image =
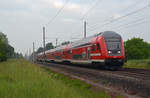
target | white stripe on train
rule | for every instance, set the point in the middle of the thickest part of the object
(95, 54)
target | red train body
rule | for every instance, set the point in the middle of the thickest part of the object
(105, 48)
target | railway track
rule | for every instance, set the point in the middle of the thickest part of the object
(134, 70)
(130, 80)
(145, 75)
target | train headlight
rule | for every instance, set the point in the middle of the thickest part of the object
(109, 52)
(119, 52)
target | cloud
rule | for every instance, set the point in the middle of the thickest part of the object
(68, 7)
(58, 4)
(74, 6)
(115, 16)
(20, 1)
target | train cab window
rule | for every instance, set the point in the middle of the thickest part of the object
(98, 46)
(93, 48)
(68, 51)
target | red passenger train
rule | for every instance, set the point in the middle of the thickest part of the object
(105, 48)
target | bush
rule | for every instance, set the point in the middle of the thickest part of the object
(6, 50)
(136, 48)
(149, 63)
(3, 57)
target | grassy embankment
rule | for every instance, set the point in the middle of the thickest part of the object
(22, 79)
(144, 64)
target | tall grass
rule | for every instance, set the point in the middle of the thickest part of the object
(144, 64)
(22, 79)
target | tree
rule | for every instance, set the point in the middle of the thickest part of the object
(136, 48)
(10, 51)
(65, 43)
(4, 38)
(3, 47)
(6, 50)
(18, 55)
(40, 49)
(49, 46)
(3, 54)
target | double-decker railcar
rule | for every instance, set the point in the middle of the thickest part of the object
(105, 48)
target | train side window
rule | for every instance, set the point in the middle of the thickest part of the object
(98, 46)
(93, 48)
(63, 52)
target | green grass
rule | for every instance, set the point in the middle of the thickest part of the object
(22, 79)
(142, 64)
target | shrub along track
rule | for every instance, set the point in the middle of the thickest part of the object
(129, 82)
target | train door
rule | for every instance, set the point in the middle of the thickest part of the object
(88, 53)
(71, 56)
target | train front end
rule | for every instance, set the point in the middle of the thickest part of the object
(114, 49)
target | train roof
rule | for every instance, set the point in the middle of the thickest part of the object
(57, 48)
(111, 34)
(85, 41)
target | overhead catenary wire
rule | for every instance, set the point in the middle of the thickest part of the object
(131, 13)
(107, 20)
(124, 16)
(54, 17)
(58, 12)
(90, 9)
(132, 6)
(132, 22)
(136, 24)
(85, 13)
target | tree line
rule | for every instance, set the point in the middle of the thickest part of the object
(135, 48)
(6, 50)
(50, 46)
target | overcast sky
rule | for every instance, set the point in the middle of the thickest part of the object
(22, 20)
